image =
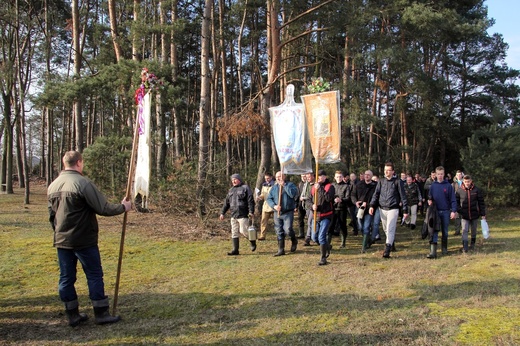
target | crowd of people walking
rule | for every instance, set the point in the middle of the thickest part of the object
(326, 208)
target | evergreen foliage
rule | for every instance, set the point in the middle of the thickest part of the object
(416, 78)
(492, 159)
(106, 161)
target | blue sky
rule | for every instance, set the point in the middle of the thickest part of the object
(506, 15)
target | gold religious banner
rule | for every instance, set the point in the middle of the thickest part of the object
(323, 125)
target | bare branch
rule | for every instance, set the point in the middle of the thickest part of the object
(303, 14)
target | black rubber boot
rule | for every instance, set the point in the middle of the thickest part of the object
(472, 245)
(388, 248)
(433, 251)
(343, 239)
(444, 245)
(301, 234)
(329, 244)
(365, 245)
(236, 244)
(72, 311)
(294, 243)
(253, 245)
(307, 242)
(393, 247)
(101, 312)
(323, 250)
(281, 248)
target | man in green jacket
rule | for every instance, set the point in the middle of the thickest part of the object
(74, 201)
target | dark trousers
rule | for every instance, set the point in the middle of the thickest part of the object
(339, 219)
(90, 260)
(353, 218)
(301, 219)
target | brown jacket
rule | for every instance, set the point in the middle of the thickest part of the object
(74, 201)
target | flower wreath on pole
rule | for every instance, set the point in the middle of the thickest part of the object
(318, 85)
(149, 82)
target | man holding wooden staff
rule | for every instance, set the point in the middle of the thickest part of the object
(74, 201)
(282, 198)
(323, 196)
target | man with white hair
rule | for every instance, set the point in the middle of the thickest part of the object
(282, 199)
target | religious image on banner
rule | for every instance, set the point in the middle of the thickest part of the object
(290, 135)
(322, 112)
(142, 168)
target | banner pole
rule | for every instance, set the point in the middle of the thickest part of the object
(315, 194)
(128, 197)
(280, 192)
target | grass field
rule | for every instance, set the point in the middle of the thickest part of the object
(175, 291)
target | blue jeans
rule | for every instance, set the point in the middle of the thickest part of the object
(376, 221)
(322, 228)
(283, 225)
(90, 260)
(366, 223)
(444, 215)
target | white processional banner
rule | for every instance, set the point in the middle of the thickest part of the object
(142, 168)
(290, 135)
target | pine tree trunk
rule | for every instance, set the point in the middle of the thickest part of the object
(204, 109)
(77, 70)
(174, 62)
(113, 29)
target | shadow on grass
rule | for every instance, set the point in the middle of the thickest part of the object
(273, 318)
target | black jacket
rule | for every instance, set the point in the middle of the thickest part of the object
(432, 222)
(388, 195)
(470, 202)
(342, 190)
(325, 199)
(363, 192)
(240, 201)
(413, 193)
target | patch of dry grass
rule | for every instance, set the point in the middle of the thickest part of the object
(179, 290)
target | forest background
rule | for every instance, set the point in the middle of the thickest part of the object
(422, 84)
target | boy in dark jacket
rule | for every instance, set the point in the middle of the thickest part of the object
(414, 197)
(443, 195)
(471, 206)
(341, 201)
(361, 196)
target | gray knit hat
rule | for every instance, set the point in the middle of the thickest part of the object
(236, 176)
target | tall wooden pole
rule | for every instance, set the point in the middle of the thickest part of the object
(315, 194)
(128, 197)
(280, 191)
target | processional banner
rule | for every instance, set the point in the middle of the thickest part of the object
(324, 125)
(142, 168)
(290, 135)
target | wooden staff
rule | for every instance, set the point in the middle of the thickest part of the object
(280, 188)
(128, 197)
(315, 195)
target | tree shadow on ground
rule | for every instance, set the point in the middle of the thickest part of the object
(295, 319)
